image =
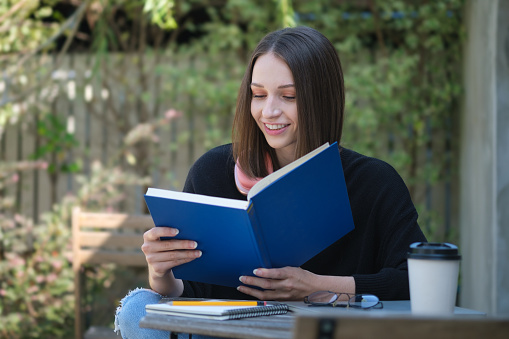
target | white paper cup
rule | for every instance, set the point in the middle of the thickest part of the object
(433, 276)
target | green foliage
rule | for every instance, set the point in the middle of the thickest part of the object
(22, 28)
(37, 277)
(161, 12)
(286, 14)
(401, 62)
(36, 284)
(56, 143)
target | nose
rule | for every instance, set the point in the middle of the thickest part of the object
(270, 109)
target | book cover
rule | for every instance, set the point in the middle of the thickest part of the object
(289, 217)
(217, 312)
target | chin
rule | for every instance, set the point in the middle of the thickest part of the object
(279, 144)
(275, 144)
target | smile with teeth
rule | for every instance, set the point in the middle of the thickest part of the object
(276, 127)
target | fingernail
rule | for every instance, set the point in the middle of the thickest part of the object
(198, 254)
(241, 277)
(255, 271)
(195, 244)
(175, 231)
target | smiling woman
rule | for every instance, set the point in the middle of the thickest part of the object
(291, 101)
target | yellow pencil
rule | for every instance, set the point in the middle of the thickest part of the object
(217, 303)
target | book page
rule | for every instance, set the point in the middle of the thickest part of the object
(259, 186)
(198, 198)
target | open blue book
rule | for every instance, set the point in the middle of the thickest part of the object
(289, 217)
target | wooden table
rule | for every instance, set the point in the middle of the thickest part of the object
(278, 326)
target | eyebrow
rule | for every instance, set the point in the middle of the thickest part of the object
(282, 86)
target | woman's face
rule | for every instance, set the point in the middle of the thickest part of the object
(274, 105)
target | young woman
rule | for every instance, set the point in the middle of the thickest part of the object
(290, 102)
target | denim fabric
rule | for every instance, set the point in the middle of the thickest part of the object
(132, 309)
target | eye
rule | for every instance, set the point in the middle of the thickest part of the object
(258, 96)
(288, 97)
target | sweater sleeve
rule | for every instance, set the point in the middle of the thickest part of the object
(390, 226)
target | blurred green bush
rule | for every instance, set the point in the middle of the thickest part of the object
(401, 60)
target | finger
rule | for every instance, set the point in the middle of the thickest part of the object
(171, 245)
(267, 284)
(273, 273)
(167, 245)
(172, 258)
(156, 233)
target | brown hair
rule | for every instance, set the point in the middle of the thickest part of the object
(320, 97)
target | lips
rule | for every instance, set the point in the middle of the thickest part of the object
(275, 127)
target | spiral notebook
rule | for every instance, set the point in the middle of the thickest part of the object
(217, 312)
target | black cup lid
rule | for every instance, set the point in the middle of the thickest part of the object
(433, 251)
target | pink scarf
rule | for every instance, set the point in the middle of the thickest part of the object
(244, 182)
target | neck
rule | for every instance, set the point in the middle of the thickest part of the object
(285, 157)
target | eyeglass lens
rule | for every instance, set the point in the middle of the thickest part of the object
(323, 297)
(363, 300)
(357, 300)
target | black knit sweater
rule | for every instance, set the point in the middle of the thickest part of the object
(374, 253)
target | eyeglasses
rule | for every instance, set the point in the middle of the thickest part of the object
(327, 298)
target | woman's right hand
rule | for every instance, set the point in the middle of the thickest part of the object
(163, 255)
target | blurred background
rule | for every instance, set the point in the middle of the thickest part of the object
(100, 99)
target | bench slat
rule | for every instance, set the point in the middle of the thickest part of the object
(111, 241)
(104, 257)
(115, 220)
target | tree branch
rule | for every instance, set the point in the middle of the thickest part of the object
(73, 22)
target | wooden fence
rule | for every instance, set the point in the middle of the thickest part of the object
(92, 106)
(85, 104)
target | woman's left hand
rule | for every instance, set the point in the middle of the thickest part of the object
(287, 283)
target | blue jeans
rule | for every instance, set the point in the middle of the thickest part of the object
(132, 309)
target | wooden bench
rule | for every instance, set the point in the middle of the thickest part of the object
(102, 238)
